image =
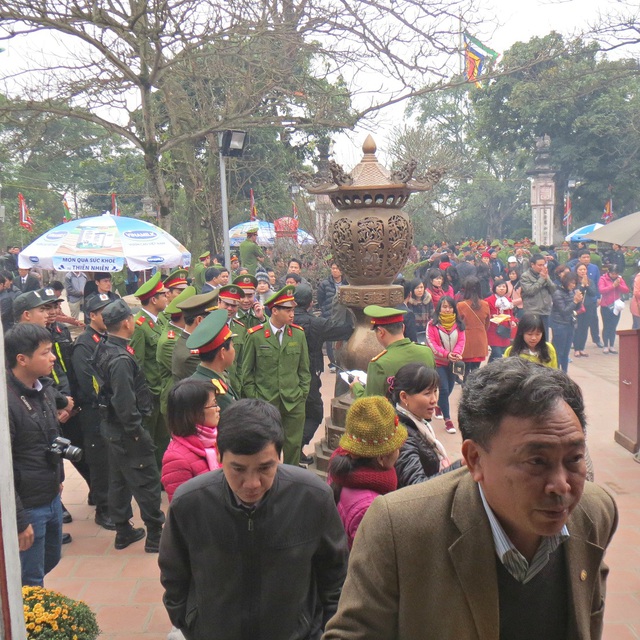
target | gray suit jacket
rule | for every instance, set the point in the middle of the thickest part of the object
(423, 566)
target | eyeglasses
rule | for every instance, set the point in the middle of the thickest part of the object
(211, 406)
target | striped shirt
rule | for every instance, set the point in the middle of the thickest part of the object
(514, 562)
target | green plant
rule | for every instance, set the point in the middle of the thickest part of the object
(48, 614)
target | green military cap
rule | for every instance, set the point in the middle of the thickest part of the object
(211, 332)
(247, 283)
(282, 298)
(510, 242)
(173, 308)
(383, 315)
(150, 288)
(204, 256)
(230, 293)
(202, 303)
(252, 231)
(593, 246)
(495, 243)
(177, 278)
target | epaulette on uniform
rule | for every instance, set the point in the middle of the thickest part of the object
(378, 356)
(242, 324)
(297, 326)
(141, 320)
(254, 329)
(220, 387)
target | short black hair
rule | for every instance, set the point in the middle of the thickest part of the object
(296, 261)
(24, 338)
(56, 285)
(211, 273)
(294, 276)
(513, 387)
(413, 378)
(8, 275)
(185, 405)
(537, 256)
(210, 356)
(248, 426)
(584, 252)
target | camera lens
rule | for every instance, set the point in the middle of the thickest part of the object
(73, 453)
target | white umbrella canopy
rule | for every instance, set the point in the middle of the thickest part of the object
(583, 233)
(624, 231)
(104, 243)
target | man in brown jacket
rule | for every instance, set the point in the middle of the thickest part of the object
(511, 547)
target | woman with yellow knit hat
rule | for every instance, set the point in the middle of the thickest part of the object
(362, 467)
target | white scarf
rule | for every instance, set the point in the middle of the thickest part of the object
(428, 435)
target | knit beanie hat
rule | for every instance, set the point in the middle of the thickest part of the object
(372, 428)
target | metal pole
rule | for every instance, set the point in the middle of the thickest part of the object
(225, 211)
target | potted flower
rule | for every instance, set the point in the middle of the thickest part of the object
(48, 614)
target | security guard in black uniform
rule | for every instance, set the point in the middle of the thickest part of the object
(125, 400)
(86, 398)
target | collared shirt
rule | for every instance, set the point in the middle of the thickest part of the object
(514, 562)
(154, 318)
(277, 332)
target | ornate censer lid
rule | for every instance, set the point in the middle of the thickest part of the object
(369, 184)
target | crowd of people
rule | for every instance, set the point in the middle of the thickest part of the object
(219, 371)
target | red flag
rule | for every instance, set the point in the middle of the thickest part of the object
(254, 210)
(567, 218)
(25, 218)
(66, 212)
(607, 214)
(115, 209)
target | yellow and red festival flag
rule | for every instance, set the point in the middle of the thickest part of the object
(254, 210)
(607, 214)
(475, 55)
(25, 218)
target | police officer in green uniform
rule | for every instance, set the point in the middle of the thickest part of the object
(124, 400)
(275, 368)
(251, 312)
(167, 342)
(250, 253)
(204, 260)
(194, 309)
(213, 341)
(86, 400)
(388, 325)
(229, 298)
(175, 283)
(153, 298)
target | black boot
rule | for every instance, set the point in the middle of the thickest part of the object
(152, 543)
(66, 516)
(127, 535)
(103, 520)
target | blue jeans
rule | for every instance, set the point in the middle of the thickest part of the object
(447, 382)
(562, 338)
(496, 353)
(609, 324)
(44, 554)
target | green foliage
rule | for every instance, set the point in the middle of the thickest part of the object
(587, 104)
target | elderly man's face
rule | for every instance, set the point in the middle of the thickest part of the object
(532, 474)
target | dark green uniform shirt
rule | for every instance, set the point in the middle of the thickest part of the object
(388, 363)
(249, 254)
(144, 342)
(164, 353)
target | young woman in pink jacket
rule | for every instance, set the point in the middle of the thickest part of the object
(192, 417)
(445, 336)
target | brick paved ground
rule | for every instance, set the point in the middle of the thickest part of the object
(123, 586)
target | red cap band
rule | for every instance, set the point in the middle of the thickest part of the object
(224, 335)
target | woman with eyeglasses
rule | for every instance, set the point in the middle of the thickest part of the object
(192, 417)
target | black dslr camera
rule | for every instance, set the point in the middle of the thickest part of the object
(62, 448)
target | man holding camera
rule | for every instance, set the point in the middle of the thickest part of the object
(36, 450)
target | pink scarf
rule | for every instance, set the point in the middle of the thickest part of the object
(209, 438)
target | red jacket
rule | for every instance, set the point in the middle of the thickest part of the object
(184, 459)
(493, 338)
